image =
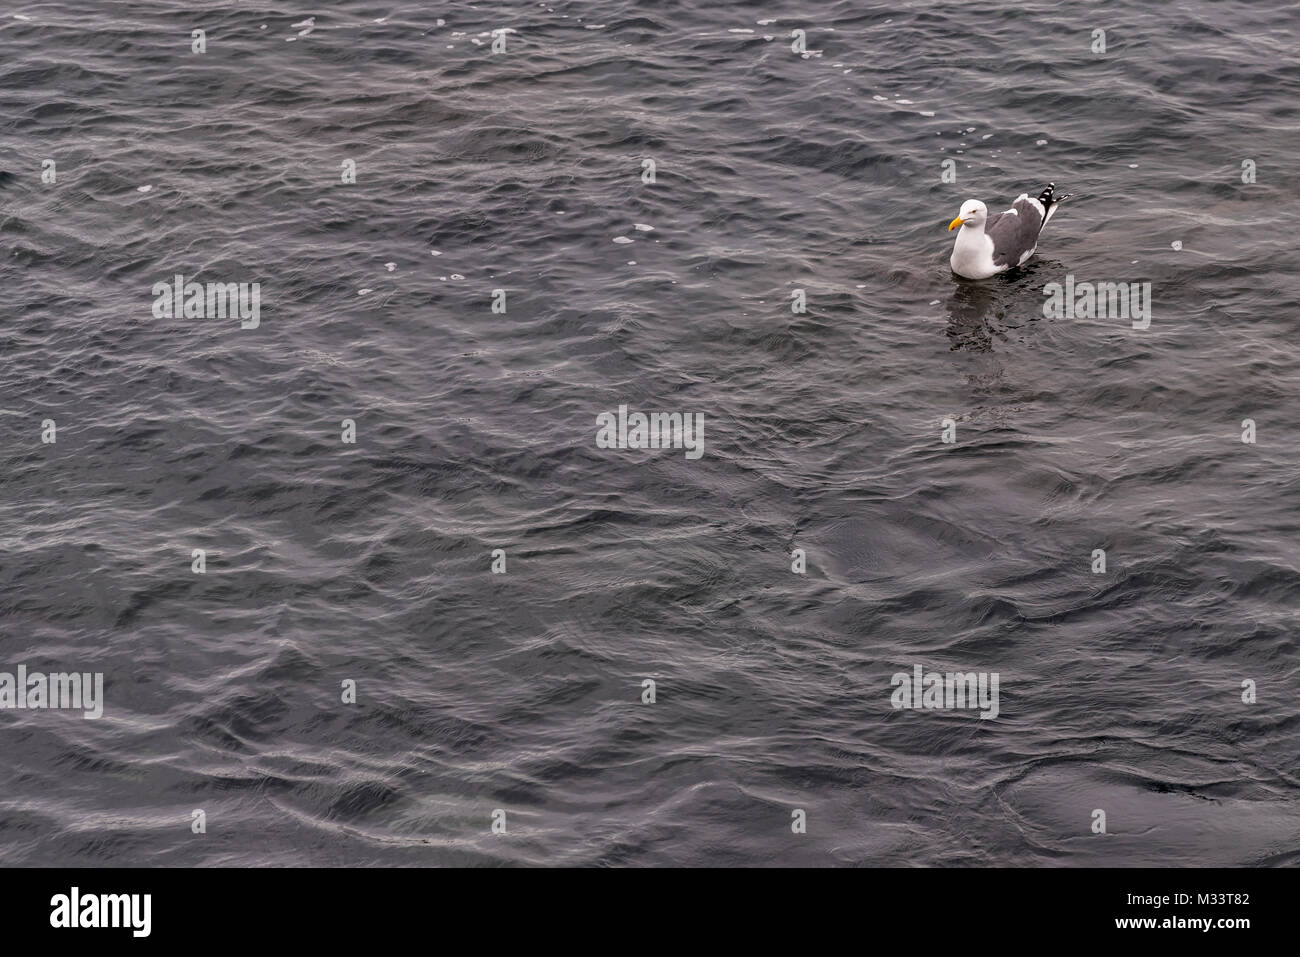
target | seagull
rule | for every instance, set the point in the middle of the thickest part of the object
(988, 245)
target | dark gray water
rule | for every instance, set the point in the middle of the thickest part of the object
(328, 561)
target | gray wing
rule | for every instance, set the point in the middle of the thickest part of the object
(1015, 232)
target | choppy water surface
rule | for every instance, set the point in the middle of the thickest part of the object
(476, 431)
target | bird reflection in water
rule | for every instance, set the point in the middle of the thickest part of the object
(977, 309)
(971, 308)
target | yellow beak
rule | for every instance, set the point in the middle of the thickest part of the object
(955, 223)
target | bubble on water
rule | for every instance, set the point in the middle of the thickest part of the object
(1177, 244)
(390, 266)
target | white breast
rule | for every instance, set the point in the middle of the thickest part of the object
(972, 254)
